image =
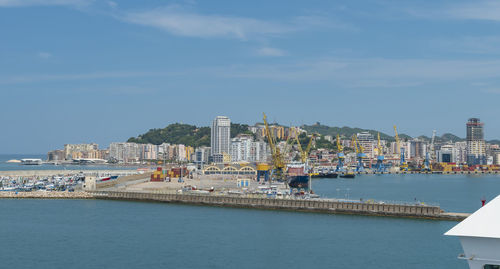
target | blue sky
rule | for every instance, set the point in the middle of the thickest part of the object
(75, 71)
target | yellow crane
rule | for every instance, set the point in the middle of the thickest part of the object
(354, 143)
(340, 155)
(359, 153)
(288, 145)
(380, 151)
(304, 154)
(277, 159)
(401, 152)
(380, 166)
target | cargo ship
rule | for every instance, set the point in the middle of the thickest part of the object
(298, 176)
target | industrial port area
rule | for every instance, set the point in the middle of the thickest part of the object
(268, 162)
(247, 134)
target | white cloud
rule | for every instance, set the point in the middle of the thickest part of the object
(44, 55)
(24, 3)
(179, 22)
(112, 4)
(267, 51)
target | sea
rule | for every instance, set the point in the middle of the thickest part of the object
(48, 234)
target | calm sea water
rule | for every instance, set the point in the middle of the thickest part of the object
(15, 166)
(116, 234)
(119, 234)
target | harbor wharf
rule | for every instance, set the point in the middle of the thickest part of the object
(331, 206)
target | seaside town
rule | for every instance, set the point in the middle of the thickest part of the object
(249, 134)
(362, 151)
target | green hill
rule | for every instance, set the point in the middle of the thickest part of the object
(347, 132)
(186, 134)
(176, 133)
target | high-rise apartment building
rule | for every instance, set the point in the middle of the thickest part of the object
(366, 140)
(476, 146)
(244, 148)
(220, 135)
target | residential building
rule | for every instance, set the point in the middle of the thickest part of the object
(476, 146)
(202, 155)
(220, 135)
(366, 140)
(76, 151)
(243, 148)
(125, 152)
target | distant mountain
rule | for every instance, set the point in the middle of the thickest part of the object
(347, 132)
(494, 141)
(450, 137)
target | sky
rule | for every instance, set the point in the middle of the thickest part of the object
(81, 71)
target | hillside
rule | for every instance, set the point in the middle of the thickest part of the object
(347, 132)
(194, 136)
(176, 133)
(186, 134)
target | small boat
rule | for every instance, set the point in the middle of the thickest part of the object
(347, 175)
(328, 175)
(108, 178)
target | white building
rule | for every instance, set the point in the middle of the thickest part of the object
(149, 152)
(202, 155)
(479, 235)
(125, 152)
(243, 148)
(366, 140)
(220, 135)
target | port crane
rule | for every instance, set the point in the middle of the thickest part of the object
(278, 164)
(340, 155)
(288, 145)
(359, 153)
(304, 154)
(380, 156)
(403, 165)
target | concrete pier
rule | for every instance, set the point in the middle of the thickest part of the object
(290, 204)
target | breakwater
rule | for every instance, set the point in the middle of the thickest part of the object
(302, 205)
(46, 195)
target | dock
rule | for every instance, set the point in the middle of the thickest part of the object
(330, 206)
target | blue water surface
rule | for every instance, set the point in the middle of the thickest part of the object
(117, 234)
(120, 234)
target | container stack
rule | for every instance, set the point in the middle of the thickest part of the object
(158, 175)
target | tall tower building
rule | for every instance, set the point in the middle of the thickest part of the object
(476, 147)
(221, 135)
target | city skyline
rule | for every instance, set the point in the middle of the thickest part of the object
(258, 123)
(76, 71)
